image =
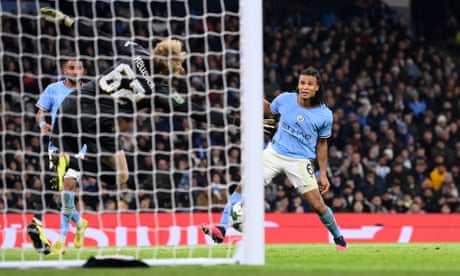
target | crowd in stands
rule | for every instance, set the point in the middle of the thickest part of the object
(395, 145)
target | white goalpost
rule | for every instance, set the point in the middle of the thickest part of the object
(181, 171)
(252, 89)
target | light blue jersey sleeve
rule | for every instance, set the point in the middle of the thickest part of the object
(45, 102)
(52, 98)
(299, 128)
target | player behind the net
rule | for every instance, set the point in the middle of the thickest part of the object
(48, 104)
(101, 108)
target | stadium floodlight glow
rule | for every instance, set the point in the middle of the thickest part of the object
(224, 71)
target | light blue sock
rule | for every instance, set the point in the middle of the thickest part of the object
(234, 199)
(75, 216)
(68, 206)
(329, 221)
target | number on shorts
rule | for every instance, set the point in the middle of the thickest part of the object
(310, 169)
(111, 83)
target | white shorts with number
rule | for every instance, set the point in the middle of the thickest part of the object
(71, 173)
(299, 171)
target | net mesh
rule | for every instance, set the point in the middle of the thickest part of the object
(181, 170)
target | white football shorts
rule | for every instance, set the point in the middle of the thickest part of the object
(300, 172)
(71, 173)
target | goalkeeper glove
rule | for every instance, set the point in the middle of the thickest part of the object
(55, 16)
(269, 126)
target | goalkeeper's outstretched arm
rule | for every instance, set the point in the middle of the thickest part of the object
(85, 29)
(133, 60)
(162, 49)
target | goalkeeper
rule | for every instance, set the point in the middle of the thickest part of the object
(305, 125)
(105, 105)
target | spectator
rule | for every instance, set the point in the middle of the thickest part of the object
(397, 174)
(417, 83)
(298, 205)
(437, 174)
(415, 208)
(372, 185)
(359, 197)
(417, 105)
(449, 193)
(377, 206)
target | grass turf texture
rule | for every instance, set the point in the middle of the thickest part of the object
(305, 259)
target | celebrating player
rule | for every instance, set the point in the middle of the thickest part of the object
(49, 103)
(304, 127)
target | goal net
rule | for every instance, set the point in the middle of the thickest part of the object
(181, 171)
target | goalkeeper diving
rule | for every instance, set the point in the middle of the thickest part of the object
(95, 114)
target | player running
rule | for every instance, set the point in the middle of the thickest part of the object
(304, 127)
(49, 103)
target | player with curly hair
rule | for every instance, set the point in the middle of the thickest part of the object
(305, 124)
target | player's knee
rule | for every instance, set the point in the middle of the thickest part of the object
(318, 207)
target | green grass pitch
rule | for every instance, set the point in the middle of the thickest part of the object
(298, 259)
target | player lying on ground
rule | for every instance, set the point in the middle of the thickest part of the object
(304, 127)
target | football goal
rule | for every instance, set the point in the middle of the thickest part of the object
(181, 170)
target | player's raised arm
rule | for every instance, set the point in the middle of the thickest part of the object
(85, 29)
(57, 17)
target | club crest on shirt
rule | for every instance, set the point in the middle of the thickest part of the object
(300, 118)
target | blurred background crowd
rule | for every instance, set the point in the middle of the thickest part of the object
(391, 80)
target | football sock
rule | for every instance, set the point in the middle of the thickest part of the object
(68, 206)
(329, 221)
(75, 214)
(76, 217)
(234, 198)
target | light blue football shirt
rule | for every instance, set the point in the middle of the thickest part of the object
(52, 98)
(299, 128)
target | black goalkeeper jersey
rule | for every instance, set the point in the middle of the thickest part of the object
(89, 115)
(125, 86)
(131, 84)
